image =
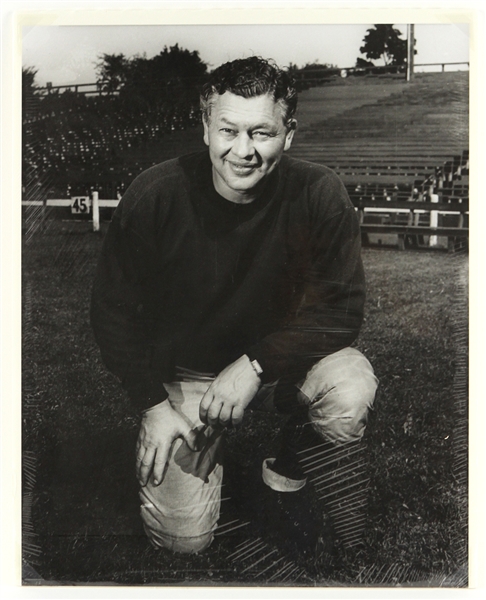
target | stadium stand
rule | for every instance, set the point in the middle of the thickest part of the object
(407, 146)
(93, 142)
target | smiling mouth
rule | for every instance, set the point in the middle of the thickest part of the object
(241, 169)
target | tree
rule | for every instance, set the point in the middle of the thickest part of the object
(112, 71)
(29, 100)
(173, 70)
(28, 78)
(317, 66)
(384, 41)
(361, 63)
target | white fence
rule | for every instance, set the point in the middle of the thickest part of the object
(80, 205)
(84, 205)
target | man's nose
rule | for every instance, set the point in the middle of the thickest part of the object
(243, 146)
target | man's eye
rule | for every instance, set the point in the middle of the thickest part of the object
(261, 134)
(227, 131)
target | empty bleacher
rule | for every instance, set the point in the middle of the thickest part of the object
(407, 146)
(391, 143)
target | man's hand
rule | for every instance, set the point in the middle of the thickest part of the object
(230, 393)
(161, 425)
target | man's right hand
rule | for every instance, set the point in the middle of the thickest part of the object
(161, 425)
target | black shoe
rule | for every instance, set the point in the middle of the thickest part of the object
(289, 519)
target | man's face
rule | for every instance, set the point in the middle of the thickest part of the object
(246, 139)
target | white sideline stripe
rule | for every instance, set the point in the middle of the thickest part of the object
(68, 202)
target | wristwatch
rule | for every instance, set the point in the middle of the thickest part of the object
(256, 367)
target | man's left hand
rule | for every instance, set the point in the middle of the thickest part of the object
(230, 393)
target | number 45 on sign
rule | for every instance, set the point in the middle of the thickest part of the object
(80, 205)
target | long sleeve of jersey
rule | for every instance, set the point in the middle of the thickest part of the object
(331, 310)
(122, 327)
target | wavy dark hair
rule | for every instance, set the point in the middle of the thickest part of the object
(250, 77)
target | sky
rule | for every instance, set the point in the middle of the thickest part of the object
(67, 54)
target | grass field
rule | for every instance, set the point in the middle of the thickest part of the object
(81, 520)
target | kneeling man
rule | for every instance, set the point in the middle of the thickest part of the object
(232, 279)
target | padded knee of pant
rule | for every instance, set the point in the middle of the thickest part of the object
(353, 395)
(170, 533)
(344, 418)
(340, 391)
(345, 377)
(340, 430)
(183, 545)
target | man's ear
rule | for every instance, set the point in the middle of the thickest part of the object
(291, 127)
(206, 130)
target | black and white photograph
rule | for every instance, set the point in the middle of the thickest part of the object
(244, 295)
